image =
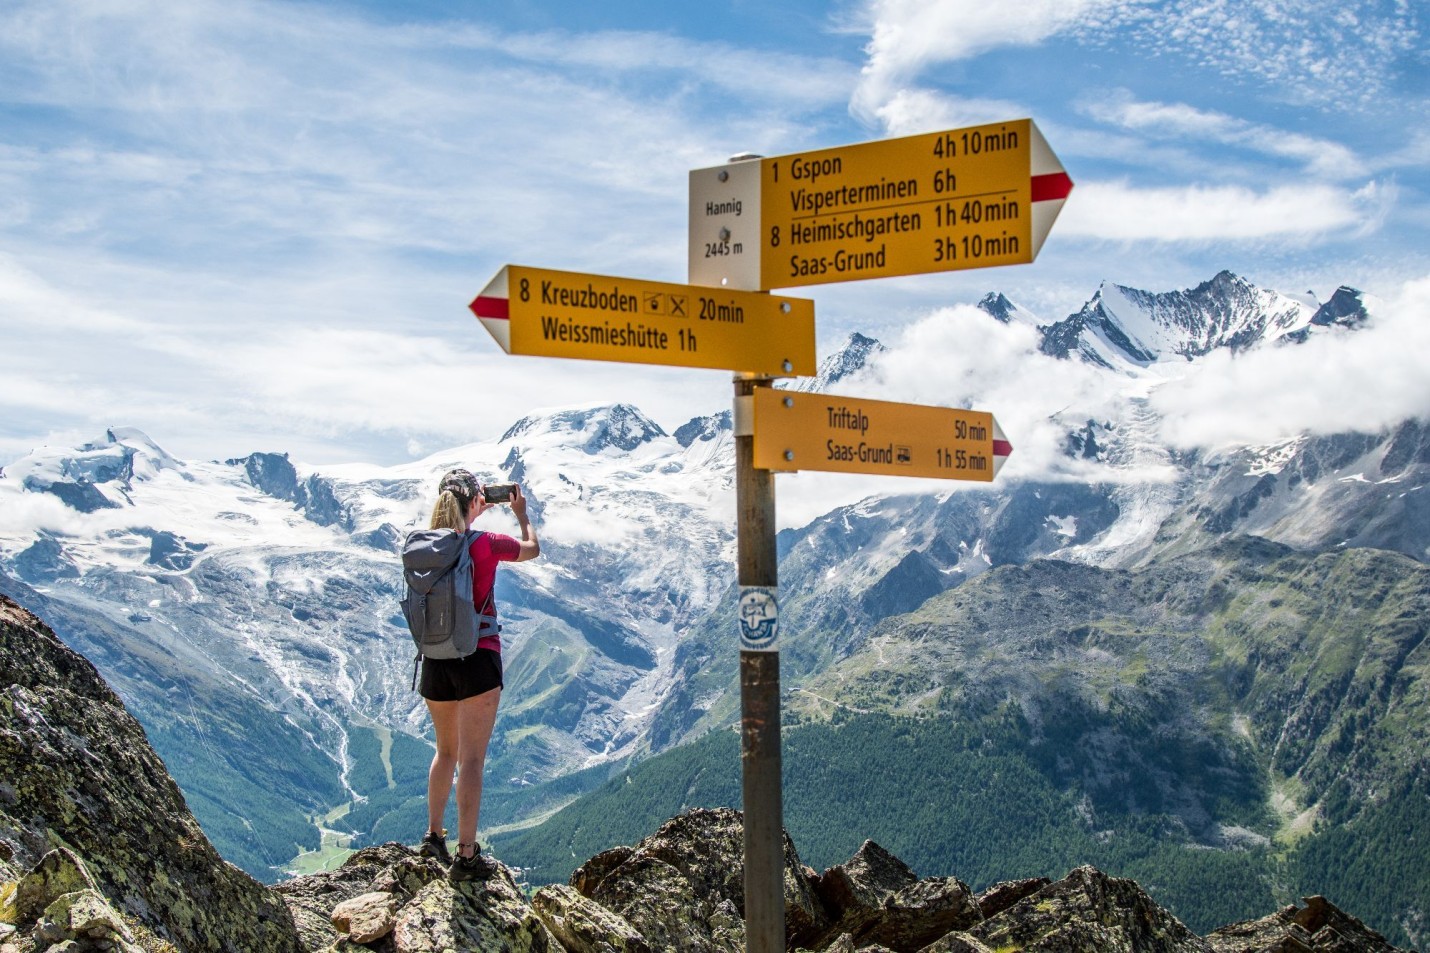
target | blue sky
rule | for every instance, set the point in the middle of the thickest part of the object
(253, 226)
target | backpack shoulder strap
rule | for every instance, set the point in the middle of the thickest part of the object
(489, 606)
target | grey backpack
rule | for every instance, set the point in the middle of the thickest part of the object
(438, 606)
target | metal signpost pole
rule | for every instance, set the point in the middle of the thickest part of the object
(759, 683)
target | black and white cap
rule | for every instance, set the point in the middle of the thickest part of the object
(462, 483)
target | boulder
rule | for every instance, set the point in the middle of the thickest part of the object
(85, 918)
(1088, 912)
(388, 868)
(877, 900)
(584, 926)
(368, 917)
(484, 915)
(1000, 897)
(683, 887)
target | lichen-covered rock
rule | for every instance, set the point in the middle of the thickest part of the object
(589, 875)
(72, 917)
(845, 944)
(388, 868)
(956, 942)
(584, 926)
(367, 917)
(490, 915)
(389, 898)
(921, 913)
(83, 916)
(862, 883)
(663, 905)
(76, 770)
(1000, 897)
(877, 900)
(1318, 926)
(683, 887)
(1088, 912)
(59, 872)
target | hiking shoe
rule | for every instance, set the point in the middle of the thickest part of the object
(475, 867)
(435, 845)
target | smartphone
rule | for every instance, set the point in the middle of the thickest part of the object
(498, 492)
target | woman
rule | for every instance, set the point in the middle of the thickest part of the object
(462, 694)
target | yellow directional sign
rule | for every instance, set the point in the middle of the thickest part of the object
(548, 313)
(965, 198)
(855, 435)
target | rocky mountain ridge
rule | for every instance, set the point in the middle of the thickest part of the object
(98, 852)
(1122, 327)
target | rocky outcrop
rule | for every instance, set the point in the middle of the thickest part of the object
(99, 853)
(875, 899)
(1088, 910)
(683, 887)
(1317, 926)
(87, 811)
(681, 890)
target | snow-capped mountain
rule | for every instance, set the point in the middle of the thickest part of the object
(856, 354)
(1123, 327)
(280, 584)
(267, 589)
(997, 304)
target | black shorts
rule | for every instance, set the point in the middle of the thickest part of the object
(451, 680)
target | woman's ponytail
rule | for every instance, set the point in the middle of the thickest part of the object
(449, 513)
(455, 494)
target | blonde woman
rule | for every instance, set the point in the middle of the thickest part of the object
(462, 694)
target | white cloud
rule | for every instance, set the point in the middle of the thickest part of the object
(908, 36)
(27, 514)
(962, 357)
(756, 73)
(258, 224)
(1339, 52)
(1315, 51)
(1117, 211)
(1363, 381)
(1321, 157)
(242, 123)
(912, 111)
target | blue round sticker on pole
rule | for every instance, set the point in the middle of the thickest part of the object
(759, 609)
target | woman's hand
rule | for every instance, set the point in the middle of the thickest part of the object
(478, 507)
(530, 545)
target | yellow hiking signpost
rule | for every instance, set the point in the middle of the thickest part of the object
(857, 435)
(945, 201)
(547, 313)
(965, 198)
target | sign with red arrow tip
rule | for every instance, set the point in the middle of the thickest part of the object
(856, 435)
(945, 201)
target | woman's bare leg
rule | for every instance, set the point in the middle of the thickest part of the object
(444, 762)
(475, 718)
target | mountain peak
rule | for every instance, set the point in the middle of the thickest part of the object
(856, 354)
(601, 425)
(1345, 309)
(1123, 326)
(95, 475)
(997, 305)
(709, 427)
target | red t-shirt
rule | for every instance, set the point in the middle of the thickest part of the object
(487, 550)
